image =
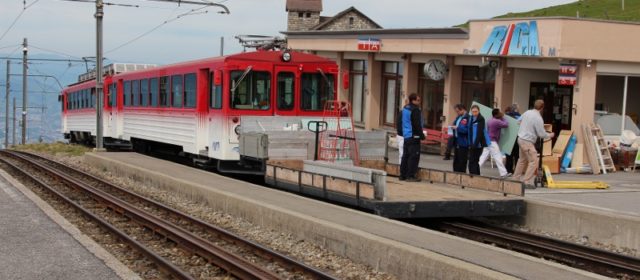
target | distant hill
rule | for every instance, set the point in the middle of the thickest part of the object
(595, 9)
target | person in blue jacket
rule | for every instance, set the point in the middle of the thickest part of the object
(478, 139)
(461, 142)
(412, 131)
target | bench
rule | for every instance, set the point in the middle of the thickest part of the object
(435, 137)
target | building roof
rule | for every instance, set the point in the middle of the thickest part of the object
(406, 33)
(304, 5)
(340, 15)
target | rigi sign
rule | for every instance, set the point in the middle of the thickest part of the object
(513, 39)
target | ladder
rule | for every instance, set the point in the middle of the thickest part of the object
(604, 156)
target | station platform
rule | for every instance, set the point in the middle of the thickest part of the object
(584, 213)
(622, 196)
(36, 244)
(403, 250)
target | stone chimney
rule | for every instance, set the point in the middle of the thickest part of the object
(303, 14)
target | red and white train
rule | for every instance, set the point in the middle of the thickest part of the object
(194, 108)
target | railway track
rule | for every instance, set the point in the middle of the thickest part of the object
(582, 257)
(196, 239)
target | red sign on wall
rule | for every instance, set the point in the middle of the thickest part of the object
(568, 75)
(369, 44)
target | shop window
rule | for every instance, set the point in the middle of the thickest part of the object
(251, 92)
(127, 93)
(317, 89)
(190, 86)
(144, 93)
(478, 85)
(153, 89)
(164, 91)
(357, 83)
(215, 93)
(391, 85)
(176, 91)
(286, 91)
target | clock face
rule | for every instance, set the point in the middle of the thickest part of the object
(435, 69)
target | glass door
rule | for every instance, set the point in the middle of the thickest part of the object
(432, 93)
(391, 97)
(286, 91)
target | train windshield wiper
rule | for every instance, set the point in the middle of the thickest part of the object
(326, 79)
(244, 75)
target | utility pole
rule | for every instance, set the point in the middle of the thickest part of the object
(222, 46)
(13, 141)
(99, 95)
(6, 101)
(24, 91)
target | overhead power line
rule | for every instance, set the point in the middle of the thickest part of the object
(17, 18)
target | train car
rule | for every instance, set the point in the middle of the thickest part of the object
(194, 108)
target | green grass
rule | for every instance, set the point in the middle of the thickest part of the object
(594, 9)
(57, 148)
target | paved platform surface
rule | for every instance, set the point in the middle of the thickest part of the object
(623, 195)
(32, 246)
(336, 220)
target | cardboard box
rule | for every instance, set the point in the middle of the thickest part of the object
(547, 148)
(553, 162)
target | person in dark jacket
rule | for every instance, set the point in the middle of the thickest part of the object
(460, 141)
(412, 131)
(451, 141)
(513, 157)
(478, 139)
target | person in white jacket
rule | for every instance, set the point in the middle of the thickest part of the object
(531, 128)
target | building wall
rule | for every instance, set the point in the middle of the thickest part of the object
(343, 23)
(522, 82)
(304, 23)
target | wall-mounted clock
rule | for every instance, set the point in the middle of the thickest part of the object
(435, 69)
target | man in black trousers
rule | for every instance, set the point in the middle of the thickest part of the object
(413, 134)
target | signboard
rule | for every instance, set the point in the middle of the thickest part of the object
(508, 135)
(514, 39)
(568, 74)
(369, 44)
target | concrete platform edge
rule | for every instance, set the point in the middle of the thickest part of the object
(399, 259)
(599, 225)
(96, 249)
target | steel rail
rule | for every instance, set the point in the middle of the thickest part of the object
(586, 258)
(233, 264)
(163, 264)
(221, 233)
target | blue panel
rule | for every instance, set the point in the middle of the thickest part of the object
(495, 41)
(520, 40)
(534, 47)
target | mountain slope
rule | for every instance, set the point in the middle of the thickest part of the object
(598, 9)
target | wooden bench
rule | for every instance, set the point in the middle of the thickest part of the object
(435, 137)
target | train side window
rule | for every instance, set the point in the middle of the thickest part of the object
(144, 93)
(153, 88)
(253, 92)
(135, 91)
(215, 93)
(317, 89)
(164, 91)
(112, 95)
(190, 86)
(286, 91)
(176, 91)
(84, 99)
(93, 97)
(127, 93)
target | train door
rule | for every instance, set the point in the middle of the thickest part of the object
(109, 107)
(286, 90)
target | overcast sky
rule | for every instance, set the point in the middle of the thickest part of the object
(69, 27)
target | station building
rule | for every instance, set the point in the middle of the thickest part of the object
(578, 66)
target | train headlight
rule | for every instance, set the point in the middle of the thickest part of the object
(286, 56)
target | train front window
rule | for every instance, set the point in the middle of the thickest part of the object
(317, 89)
(250, 90)
(286, 86)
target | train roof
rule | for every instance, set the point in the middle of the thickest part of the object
(258, 56)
